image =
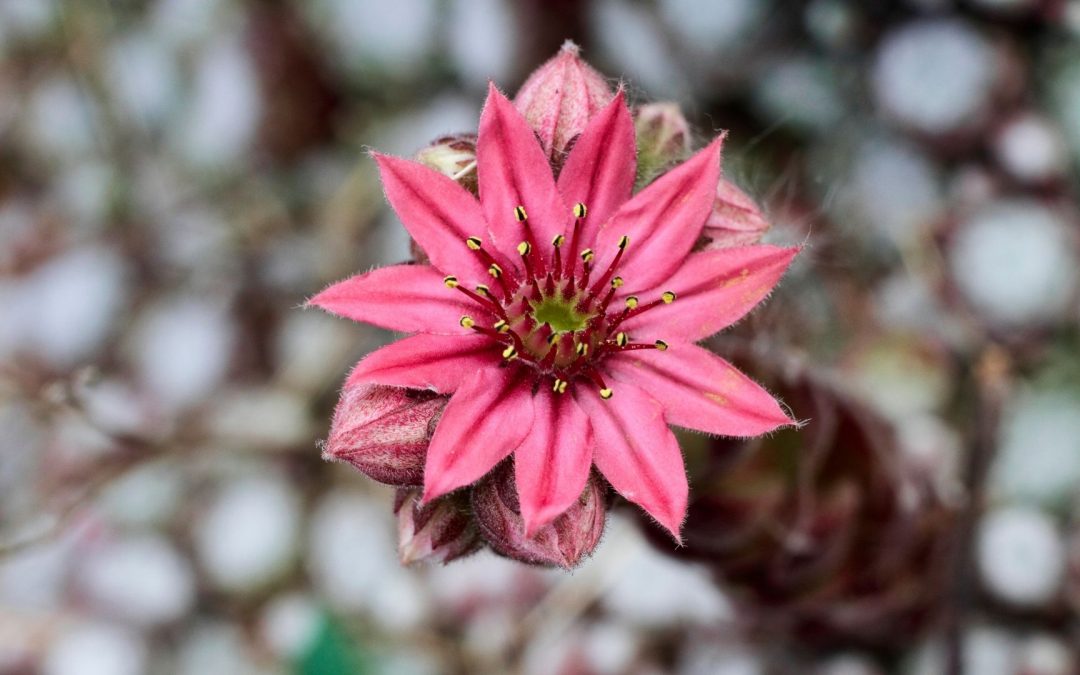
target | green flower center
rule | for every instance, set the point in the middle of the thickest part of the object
(558, 313)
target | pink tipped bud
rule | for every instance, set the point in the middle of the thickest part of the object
(384, 431)
(559, 98)
(564, 543)
(663, 139)
(453, 156)
(438, 532)
(735, 219)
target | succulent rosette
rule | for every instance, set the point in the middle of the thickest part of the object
(560, 312)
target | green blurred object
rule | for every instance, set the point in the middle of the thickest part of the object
(333, 652)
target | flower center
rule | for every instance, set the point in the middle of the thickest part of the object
(559, 313)
(556, 321)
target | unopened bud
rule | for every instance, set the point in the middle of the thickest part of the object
(564, 543)
(559, 98)
(440, 531)
(384, 431)
(663, 139)
(453, 156)
(735, 219)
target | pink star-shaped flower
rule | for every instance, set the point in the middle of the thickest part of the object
(561, 314)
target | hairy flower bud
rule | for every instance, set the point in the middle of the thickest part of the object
(735, 219)
(563, 543)
(833, 492)
(559, 98)
(440, 531)
(384, 431)
(454, 156)
(663, 139)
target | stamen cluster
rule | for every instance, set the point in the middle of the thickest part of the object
(556, 320)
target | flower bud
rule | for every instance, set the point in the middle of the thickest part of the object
(559, 98)
(563, 543)
(438, 532)
(663, 139)
(384, 431)
(454, 156)
(735, 219)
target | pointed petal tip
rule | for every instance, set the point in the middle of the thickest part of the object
(429, 495)
(716, 145)
(318, 300)
(536, 521)
(673, 526)
(494, 91)
(433, 489)
(379, 157)
(776, 423)
(386, 161)
(792, 252)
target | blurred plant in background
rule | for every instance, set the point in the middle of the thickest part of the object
(177, 177)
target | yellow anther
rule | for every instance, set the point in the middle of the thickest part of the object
(501, 326)
(581, 349)
(631, 302)
(606, 393)
(617, 282)
(467, 322)
(524, 248)
(668, 297)
(587, 255)
(451, 281)
(621, 339)
(560, 386)
(661, 345)
(474, 243)
(553, 337)
(519, 213)
(558, 240)
(509, 353)
(495, 270)
(483, 290)
(580, 210)
(623, 241)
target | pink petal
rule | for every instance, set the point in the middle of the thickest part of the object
(714, 289)
(552, 464)
(436, 362)
(486, 419)
(663, 221)
(406, 298)
(600, 169)
(699, 390)
(438, 213)
(514, 171)
(637, 453)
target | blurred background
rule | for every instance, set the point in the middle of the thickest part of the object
(177, 176)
